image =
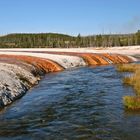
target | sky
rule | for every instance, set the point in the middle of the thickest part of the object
(72, 17)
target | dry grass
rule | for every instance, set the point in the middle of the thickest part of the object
(131, 102)
(128, 67)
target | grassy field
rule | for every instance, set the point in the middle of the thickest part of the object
(131, 102)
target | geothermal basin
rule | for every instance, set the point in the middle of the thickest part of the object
(84, 101)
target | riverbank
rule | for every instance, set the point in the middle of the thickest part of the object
(19, 73)
(21, 69)
(131, 102)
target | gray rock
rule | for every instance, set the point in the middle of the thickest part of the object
(14, 82)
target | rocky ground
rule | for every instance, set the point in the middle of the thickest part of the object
(20, 73)
(21, 69)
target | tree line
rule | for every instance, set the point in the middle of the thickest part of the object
(51, 40)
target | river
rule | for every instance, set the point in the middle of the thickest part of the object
(79, 104)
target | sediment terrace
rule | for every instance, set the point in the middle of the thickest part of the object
(22, 69)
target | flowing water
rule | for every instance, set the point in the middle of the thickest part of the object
(78, 104)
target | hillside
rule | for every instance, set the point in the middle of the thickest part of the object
(52, 40)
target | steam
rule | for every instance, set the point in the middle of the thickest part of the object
(132, 25)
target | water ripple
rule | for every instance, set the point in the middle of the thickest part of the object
(79, 104)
